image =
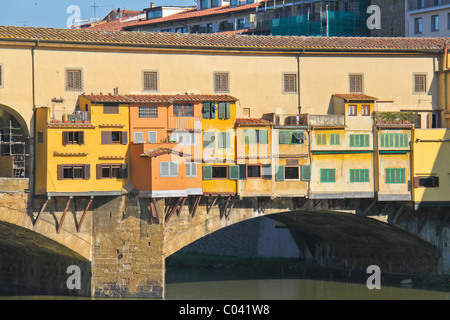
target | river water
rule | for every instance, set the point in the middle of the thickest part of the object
(213, 285)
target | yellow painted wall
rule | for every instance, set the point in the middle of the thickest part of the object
(432, 159)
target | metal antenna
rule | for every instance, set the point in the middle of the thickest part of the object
(95, 11)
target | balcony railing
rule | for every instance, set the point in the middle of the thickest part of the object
(74, 117)
(287, 119)
(185, 123)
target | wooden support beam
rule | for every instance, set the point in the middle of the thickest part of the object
(231, 207)
(84, 214)
(335, 203)
(262, 205)
(370, 206)
(404, 216)
(208, 207)
(40, 212)
(58, 229)
(194, 207)
(181, 206)
(300, 205)
(153, 202)
(442, 225)
(172, 210)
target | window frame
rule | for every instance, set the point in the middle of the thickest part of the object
(289, 86)
(365, 173)
(351, 82)
(221, 85)
(148, 112)
(189, 172)
(70, 82)
(299, 174)
(137, 133)
(361, 138)
(388, 178)
(149, 87)
(365, 110)
(434, 19)
(328, 171)
(418, 25)
(86, 170)
(220, 167)
(66, 138)
(156, 136)
(170, 174)
(416, 75)
(260, 171)
(352, 110)
(186, 110)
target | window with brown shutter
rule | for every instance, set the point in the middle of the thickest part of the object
(74, 80)
(111, 109)
(74, 171)
(150, 81)
(73, 137)
(356, 84)
(420, 83)
(221, 82)
(112, 171)
(114, 137)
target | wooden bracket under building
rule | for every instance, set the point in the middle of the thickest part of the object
(223, 206)
(208, 206)
(262, 204)
(174, 206)
(154, 211)
(84, 214)
(193, 208)
(58, 229)
(40, 212)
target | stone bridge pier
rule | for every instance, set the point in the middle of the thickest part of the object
(121, 243)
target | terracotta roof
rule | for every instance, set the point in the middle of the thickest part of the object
(106, 98)
(194, 13)
(354, 96)
(161, 151)
(159, 98)
(252, 121)
(220, 41)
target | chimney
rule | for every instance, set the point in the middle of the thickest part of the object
(152, 4)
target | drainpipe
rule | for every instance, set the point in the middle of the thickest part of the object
(33, 88)
(299, 106)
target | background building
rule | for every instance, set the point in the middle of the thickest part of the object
(427, 18)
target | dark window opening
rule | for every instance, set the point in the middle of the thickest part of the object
(220, 172)
(292, 173)
(253, 171)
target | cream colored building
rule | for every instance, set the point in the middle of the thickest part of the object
(51, 67)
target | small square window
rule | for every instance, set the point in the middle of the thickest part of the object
(150, 81)
(220, 172)
(352, 110)
(74, 80)
(356, 84)
(420, 83)
(290, 83)
(253, 171)
(365, 110)
(292, 173)
(221, 82)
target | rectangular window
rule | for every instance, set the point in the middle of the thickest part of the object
(291, 137)
(224, 140)
(394, 140)
(209, 110)
(327, 175)
(253, 171)
(74, 80)
(183, 110)
(184, 138)
(191, 169)
(290, 83)
(417, 25)
(224, 110)
(220, 172)
(395, 175)
(426, 182)
(352, 110)
(138, 137)
(148, 112)
(435, 23)
(111, 109)
(221, 82)
(168, 169)
(335, 139)
(114, 137)
(292, 173)
(356, 84)
(359, 175)
(321, 139)
(209, 28)
(112, 171)
(209, 139)
(150, 80)
(359, 140)
(73, 137)
(365, 110)
(306, 173)
(152, 137)
(420, 83)
(252, 136)
(74, 171)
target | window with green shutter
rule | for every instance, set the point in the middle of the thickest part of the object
(234, 172)
(284, 137)
(207, 172)
(224, 140)
(335, 139)
(395, 175)
(306, 173)
(327, 175)
(359, 140)
(209, 139)
(209, 110)
(298, 137)
(248, 136)
(321, 139)
(224, 110)
(359, 175)
(263, 136)
(279, 173)
(394, 140)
